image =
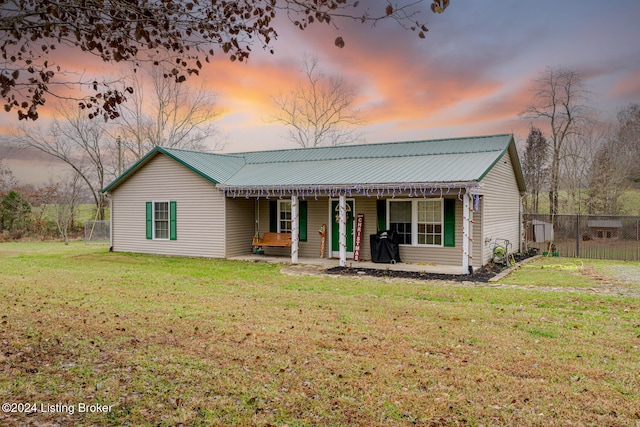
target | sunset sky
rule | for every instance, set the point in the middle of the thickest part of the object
(471, 75)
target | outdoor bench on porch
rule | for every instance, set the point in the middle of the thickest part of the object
(273, 239)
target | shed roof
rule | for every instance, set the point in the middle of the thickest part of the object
(604, 223)
(432, 161)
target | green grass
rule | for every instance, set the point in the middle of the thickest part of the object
(169, 341)
(572, 273)
(629, 202)
(84, 212)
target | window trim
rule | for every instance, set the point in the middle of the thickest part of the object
(153, 219)
(414, 221)
(279, 210)
(441, 223)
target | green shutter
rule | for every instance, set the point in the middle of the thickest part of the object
(172, 221)
(303, 221)
(450, 222)
(149, 220)
(273, 216)
(381, 209)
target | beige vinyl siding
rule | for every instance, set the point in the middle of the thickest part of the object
(477, 246)
(200, 211)
(501, 207)
(414, 254)
(240, 225)
(318, 214)
(437, 255)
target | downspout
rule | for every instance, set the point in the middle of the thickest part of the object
(521, 227)
(108, 197)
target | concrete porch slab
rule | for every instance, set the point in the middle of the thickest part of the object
(334, 262)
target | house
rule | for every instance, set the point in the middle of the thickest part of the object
(604, 228)
(447, 200)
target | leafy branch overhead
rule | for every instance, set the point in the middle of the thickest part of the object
(183, 34)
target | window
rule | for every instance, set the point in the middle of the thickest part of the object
(417, 222)
(284, 216)
(429, 222)
(161, 220)
(400, 220)
(278, 208)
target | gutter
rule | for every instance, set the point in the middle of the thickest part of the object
(350, 190)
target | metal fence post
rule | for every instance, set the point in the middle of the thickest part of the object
(578, 236)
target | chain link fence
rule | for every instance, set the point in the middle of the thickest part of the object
(584, 236)
(96, 232)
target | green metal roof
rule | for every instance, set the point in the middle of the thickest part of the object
(382, 150)
(435, 161)
(216, 168)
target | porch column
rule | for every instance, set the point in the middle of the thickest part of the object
(295, 227)
(342, 212)
(466, 232)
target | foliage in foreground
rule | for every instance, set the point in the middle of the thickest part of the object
(175, 340)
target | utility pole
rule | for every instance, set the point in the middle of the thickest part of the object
(119, 142)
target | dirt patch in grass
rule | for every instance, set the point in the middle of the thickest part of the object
(481, 275)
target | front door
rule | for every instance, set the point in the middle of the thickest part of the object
(335, 229)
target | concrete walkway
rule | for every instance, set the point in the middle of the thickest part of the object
(334, 262)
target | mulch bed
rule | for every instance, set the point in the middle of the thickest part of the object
(481, 275)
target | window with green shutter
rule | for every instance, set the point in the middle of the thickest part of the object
(280, 217)
(273, 216)
(172, 220)
(450, 222)
(420, 222)
(149, 220)
(161, 220)
(381, 211)
(303, 220)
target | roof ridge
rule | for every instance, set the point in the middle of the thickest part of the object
(371, 144)
(380, 156)
(235, 155)
(373, 151)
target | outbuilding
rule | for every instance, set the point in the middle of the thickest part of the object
(604, 228)
(447, 200)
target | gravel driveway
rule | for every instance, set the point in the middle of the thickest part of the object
(625, 273)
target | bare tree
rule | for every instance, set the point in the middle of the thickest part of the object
(167, 114)
(535, 166)
(615, 163)
(66, 200)
(559, 99)
(576, 160)
(81, 143)
(319, 111)
(7, 179)
(183, 33)
(629, 135)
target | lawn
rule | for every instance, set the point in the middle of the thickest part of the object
(180, 341)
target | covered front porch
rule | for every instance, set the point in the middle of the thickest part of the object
(437, 227)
